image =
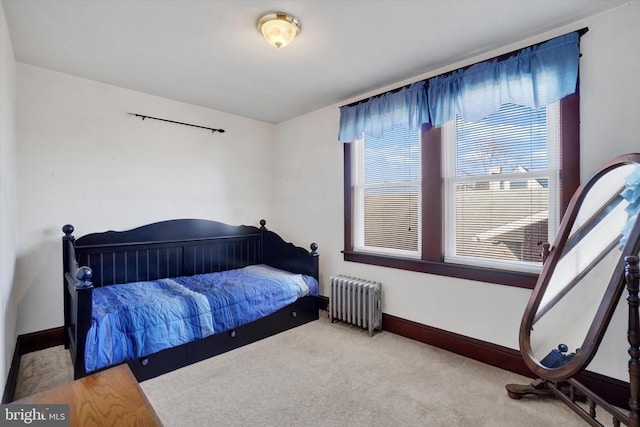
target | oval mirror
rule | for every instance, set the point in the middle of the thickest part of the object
(583, 276)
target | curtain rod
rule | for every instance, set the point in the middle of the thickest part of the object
(581, 32)
(179, 123)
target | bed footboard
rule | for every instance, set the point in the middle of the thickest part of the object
(77, 303)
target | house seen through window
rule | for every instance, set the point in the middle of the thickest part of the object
(501, 185)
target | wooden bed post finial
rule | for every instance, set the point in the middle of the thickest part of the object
(84, 274)
(314, 248)
(67, 230)
(262, 224)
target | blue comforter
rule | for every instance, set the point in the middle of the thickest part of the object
(137, 319)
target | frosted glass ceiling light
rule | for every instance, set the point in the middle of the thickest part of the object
(279, 28)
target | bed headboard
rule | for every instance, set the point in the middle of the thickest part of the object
(181, 247)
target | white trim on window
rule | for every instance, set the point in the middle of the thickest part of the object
(450, 181)
(358, 203)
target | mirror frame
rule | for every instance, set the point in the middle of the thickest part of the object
(609, 300)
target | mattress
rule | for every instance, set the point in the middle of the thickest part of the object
(134, 320)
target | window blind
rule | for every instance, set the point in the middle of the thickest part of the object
(500, 183)
(389, 191)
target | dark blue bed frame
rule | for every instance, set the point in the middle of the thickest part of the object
(175, 248)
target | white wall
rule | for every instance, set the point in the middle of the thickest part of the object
(7, 198)
(309, 193)
(83, 160)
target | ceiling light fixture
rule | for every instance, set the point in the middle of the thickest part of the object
(279, 28)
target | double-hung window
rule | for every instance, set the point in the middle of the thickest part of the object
(501, 187)
(475, 187)
(387, 200)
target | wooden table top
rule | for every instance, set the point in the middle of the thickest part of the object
(111, 397)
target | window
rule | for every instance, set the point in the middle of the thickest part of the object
(387, 193)
(501, 186)
(471, 198)
(478, 207)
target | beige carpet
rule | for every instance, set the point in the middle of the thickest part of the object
(324, 374)
(41, 370)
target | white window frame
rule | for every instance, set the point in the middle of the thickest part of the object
(358, 191)
(450, 180)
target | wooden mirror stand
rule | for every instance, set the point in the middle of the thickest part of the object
(578, 397)
(604, 209)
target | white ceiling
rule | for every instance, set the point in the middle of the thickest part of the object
(209, 53)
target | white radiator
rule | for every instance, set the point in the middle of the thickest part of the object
(356, 301)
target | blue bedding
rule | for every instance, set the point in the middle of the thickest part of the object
(137, 319)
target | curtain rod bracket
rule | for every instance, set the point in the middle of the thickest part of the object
(213, 130)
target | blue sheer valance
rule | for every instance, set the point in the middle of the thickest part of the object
(408, 106)
(534, 77)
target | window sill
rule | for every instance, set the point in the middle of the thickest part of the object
(460, 271)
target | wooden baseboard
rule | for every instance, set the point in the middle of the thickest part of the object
(486, 352)
(41, 340)
(28, 343)
(323, 303)
(12, 377)
(614, 391)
